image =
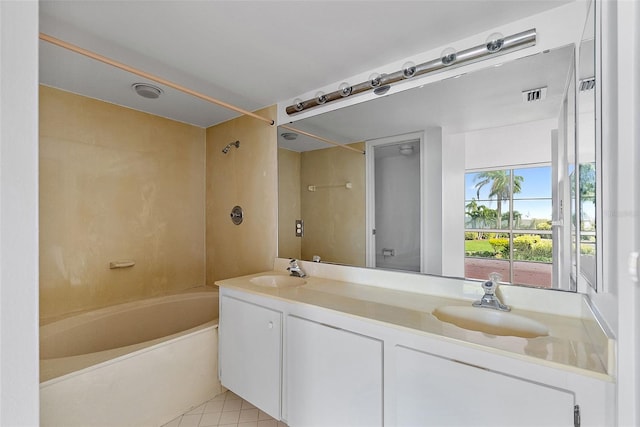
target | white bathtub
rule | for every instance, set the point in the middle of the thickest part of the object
(135, 364)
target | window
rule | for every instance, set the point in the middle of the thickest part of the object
(508, 225)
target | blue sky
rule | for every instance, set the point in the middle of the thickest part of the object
(536, 183)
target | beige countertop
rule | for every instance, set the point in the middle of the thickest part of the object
(573, 343)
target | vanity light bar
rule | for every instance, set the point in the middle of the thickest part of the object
(496, 45)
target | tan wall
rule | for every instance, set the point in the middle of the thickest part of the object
(289, 246)
(334, 218)
(116, 184)
(245, 176)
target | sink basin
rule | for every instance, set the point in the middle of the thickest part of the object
(277, 281)
(491, 321)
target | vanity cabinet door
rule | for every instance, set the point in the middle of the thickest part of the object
(334, 376)
(434, 391)
(250, 356)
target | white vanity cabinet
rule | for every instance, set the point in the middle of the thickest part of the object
(315, 366)
(334, 376)
(250, 352)
(436, 391)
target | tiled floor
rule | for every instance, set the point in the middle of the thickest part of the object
(226, 409)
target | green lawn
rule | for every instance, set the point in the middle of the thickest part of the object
(477, 246)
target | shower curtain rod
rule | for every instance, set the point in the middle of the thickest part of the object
(319, 138)
(113, 63)
(149, 76)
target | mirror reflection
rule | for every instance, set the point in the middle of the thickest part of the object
(461, 177)
(587, 143)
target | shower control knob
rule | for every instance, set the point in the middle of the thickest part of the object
(236, 215)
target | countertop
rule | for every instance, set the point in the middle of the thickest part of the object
(573, 343)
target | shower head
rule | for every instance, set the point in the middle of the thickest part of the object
(225, 150)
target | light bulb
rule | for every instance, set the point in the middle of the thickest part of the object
(345, 89)
(448, 56)
(495, 41)
(297, 104)
(375, 79)
(321, 98)
(408, 69)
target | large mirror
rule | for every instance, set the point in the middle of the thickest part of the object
(461, 177)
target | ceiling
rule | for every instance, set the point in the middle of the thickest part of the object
(248, 53)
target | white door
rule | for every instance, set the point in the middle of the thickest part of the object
(434, 391)
(394, 203)
(250, 341)
(334, 376)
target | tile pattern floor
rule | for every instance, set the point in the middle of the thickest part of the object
(226, 409)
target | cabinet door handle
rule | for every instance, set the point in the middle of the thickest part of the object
(270, 325)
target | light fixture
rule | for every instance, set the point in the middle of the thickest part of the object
(406, 149)
(289, 136)
(495, 41)
(374, 79)
(408, 70)
(297, 104)
(345, 89)
(321, 98)
(147, 90)
(495, 45)
(448, 56)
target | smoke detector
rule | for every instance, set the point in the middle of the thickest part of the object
(533, 95)
(146, 90)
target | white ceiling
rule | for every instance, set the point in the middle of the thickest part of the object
(249, 53)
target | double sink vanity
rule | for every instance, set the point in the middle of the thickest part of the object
(353, 346)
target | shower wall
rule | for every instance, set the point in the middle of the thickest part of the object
(289, 246)
(116, 184)
(246, 176)
(334, 218)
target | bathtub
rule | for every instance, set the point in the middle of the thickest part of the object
(136, 364)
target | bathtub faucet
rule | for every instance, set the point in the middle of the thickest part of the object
(295, 269)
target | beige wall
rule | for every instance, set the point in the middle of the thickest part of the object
(334, 218)
(245, 176)
(289, 246)
(116, 184)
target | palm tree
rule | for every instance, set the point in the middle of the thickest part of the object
(472, 211)
(500, 181)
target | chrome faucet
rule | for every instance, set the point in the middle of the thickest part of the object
(295, 269)
(490, 300)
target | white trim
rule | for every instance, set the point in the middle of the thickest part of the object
(516, 166)
(19, 393)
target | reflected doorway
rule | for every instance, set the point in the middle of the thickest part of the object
(394, 204)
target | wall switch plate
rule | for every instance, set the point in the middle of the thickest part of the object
(299, 228)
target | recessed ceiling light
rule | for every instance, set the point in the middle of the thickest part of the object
(146, 90)
(289, 136)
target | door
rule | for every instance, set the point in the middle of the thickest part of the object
(435, 391)
(334, 376)
(250, 342)
(394, 203)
